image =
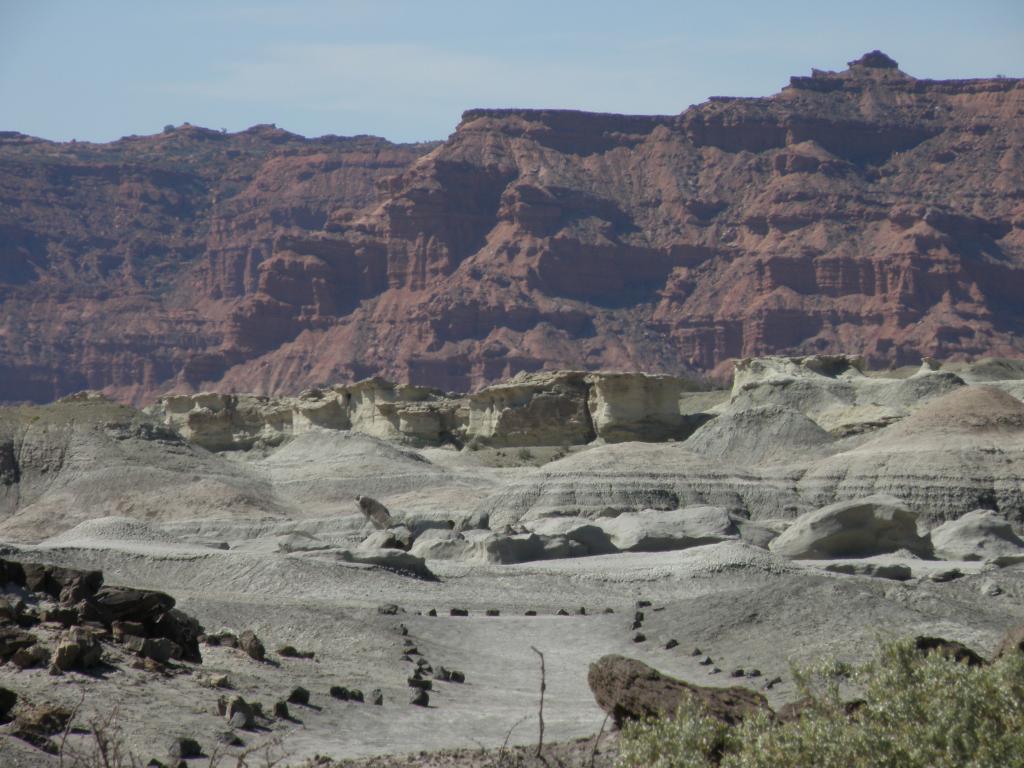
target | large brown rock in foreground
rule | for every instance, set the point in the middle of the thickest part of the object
(628, 689)
(864, 210)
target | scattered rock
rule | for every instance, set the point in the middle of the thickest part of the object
(629, 689)
(415, 682)
(706, 661)
(298, 695)
(561, 612)
(949, 574)
(159, 649)
(289, 652)
(449, 675)
(184, 748)
(31, 656)
(77, 649)
(432, 612)
(377, 697)
(672, 643)
(639, 637)
(342, 693)
(281, 710)
(389, 609)
(252, 645)
(530, 613)
(12, 640)
(230, 739)
(119, 629)
(239, 713)
(990, 589)
(739, 672)
(458, 612)
(492, 612)
(420, 698)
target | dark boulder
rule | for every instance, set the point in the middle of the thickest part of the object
(628, 689)
(252, 645)
(121, 603)
(951, 649)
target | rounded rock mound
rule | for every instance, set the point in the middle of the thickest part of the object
(957, 453)
(770, 434)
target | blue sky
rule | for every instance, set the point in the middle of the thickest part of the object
(406, 70)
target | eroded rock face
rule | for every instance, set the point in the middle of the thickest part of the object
(801, 223)
(532, 409)
(554, 408)
(859, 528)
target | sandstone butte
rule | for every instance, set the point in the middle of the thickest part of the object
(863, 211)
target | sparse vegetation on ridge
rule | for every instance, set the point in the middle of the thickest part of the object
(913, 711)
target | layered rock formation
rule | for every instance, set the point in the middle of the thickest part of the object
(863, 211)
(798, 434)
(556, 408)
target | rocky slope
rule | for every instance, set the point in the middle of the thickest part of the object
(863, 211)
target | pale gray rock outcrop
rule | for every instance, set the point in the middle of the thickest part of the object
(638, 406)
(531, 409)
(547, 408)
(375, 407)
(654, 530)
(485, 547)
(860, 528)
(978, 535)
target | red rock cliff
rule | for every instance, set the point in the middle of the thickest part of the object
(863, 211)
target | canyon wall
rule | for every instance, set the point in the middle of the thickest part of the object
(864, 212)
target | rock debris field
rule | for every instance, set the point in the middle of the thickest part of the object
(224, 577)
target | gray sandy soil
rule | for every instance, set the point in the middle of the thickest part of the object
(742, 606)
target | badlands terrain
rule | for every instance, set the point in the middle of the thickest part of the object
(332, 553)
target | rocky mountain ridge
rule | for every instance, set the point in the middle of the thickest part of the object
(863, 211)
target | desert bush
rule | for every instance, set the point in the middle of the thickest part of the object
(524, 454)
(917, 711)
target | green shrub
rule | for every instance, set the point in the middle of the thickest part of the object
(918, 712)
